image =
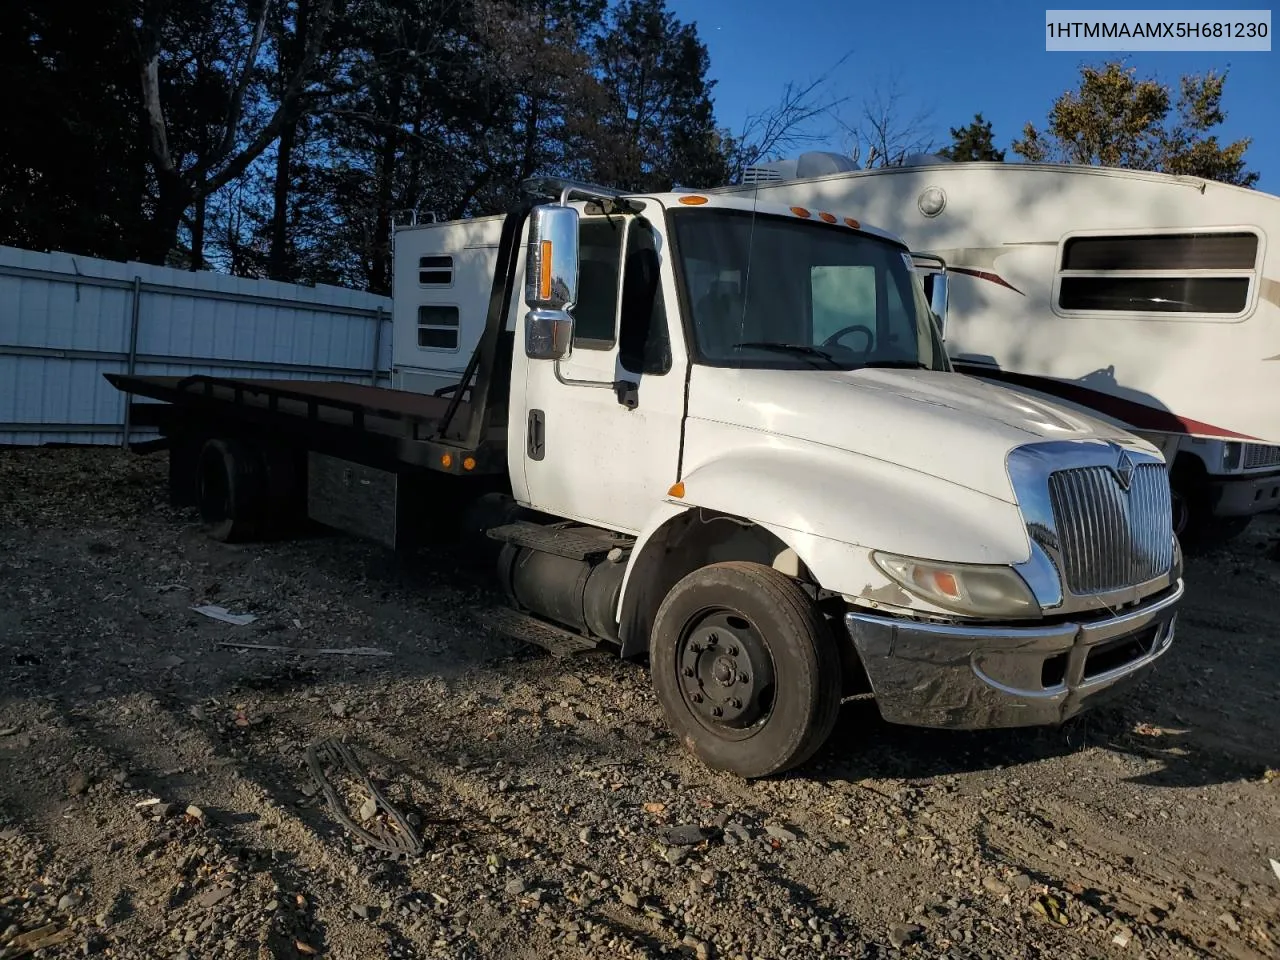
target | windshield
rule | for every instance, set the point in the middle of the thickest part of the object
(769, 291)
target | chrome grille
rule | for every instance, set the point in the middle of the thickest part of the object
(1261, 455)
(1111, 538)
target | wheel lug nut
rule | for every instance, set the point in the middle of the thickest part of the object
(688, 671)
(696, 698)
(716, 712)
(733, 651)
(743, 678)
(712, 640)
(735, 703)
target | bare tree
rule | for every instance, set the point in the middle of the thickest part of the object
(884, 133)
(787, 125)
(186, 181)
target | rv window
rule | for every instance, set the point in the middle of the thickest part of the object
(599, 263)
(1170, 251)
(438, 327)
(435, 271)
(1227, 295)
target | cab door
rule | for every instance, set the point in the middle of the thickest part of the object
(603, 426)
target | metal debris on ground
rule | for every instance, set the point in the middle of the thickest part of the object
(226, 616)
(308, 651)
(394, 835)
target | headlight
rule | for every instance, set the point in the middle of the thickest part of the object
(1231, 454)
(973, 589)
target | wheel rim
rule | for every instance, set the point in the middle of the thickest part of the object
(726, 673)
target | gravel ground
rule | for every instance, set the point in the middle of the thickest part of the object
(155, 798)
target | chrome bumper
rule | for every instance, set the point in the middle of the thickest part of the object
(974, 677)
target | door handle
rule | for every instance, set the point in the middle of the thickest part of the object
(535, 440)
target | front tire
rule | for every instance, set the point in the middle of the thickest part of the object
(746, 669)
(1197, 529)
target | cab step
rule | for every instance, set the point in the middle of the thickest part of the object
(574, 542)
(521, 626)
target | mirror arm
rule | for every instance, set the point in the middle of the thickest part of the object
(627, 391)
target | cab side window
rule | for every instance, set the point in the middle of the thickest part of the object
(599, 266)
(644, 341)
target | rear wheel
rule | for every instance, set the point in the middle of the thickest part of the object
(230, 491)
(746, 669)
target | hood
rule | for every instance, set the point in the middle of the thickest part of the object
(948, 425)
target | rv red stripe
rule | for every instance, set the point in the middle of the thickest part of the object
(986, 275)
(1136, 414)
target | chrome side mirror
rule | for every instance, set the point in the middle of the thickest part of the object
(551, 282)
(938, 301)
(933, 276)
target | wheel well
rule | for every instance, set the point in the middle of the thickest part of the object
(684, 543)
(1187, 468)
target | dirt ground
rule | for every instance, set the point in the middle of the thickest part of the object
(156, 799)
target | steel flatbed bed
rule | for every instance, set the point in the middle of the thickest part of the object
(379, 426)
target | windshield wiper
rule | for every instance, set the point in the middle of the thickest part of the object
(897, 364)
(800, 348)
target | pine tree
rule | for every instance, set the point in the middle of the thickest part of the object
(973, 142)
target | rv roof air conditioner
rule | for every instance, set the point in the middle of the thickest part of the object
(815, 163)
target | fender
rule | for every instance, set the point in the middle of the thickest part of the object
(832, 508)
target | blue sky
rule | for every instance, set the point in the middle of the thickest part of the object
(950, 60)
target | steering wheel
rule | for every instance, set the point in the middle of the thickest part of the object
(832, 340)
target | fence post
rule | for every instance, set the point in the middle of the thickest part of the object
(132, 362)
(377, 347)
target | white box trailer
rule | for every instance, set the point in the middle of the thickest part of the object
(1152, 300)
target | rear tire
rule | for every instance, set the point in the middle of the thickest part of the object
(746, 669)
(230, 491)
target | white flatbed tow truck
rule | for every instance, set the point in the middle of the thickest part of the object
(726, 436)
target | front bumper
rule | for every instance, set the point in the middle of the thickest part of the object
(1244, 496)
(974, 677)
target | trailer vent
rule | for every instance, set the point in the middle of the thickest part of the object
(1112, 537)
(761, 174)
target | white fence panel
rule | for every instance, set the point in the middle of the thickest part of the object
(67, 320)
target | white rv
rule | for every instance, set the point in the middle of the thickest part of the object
(1150, 299)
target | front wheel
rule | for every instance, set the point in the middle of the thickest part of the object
(746, 669)
(1194, 524)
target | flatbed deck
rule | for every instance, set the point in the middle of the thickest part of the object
(373, 424)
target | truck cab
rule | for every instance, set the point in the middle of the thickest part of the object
(760, 402)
